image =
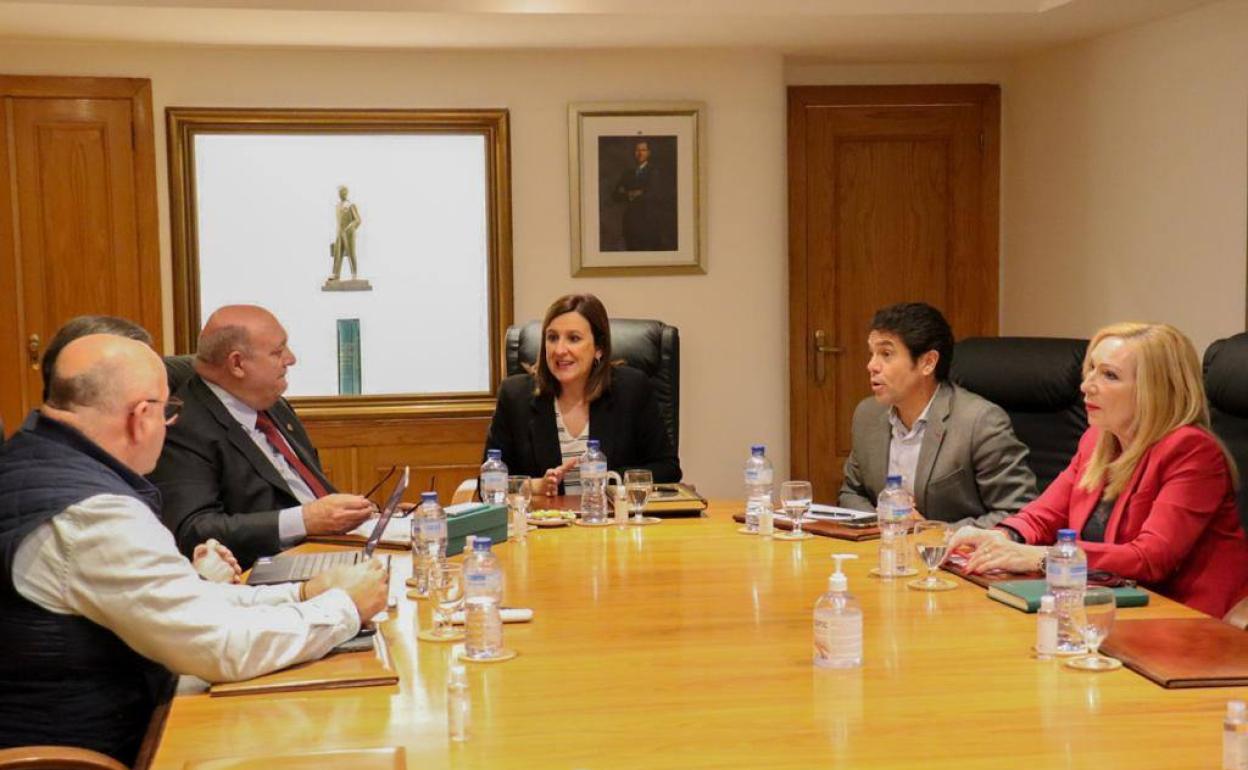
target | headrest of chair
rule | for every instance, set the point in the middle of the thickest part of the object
(639, 342)
(1032, 374)
(180, 369)
(1226, 375)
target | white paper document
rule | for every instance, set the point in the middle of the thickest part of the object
(398, 531)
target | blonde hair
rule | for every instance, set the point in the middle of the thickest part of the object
(1169, 394)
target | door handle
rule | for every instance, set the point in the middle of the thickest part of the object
(32, 346)
(822, 348)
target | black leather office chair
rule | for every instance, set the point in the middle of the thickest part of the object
(1036, 381)
(1226, 383)
(651, 346)
(180, 369)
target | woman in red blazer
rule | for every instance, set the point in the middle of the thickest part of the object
(1150, 491)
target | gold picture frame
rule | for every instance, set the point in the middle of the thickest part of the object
(638, 188)
(186, 123)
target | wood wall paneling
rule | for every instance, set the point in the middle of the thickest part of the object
(356, 453)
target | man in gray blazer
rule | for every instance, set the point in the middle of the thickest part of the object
(956, 452)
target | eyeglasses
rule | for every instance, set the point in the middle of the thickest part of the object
(172, 406)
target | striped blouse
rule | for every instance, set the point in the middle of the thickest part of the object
(570, 446)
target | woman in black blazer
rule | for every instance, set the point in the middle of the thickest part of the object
(573, 385)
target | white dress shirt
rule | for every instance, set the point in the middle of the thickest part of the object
(109, 559)
(904, 446)
(290, 526)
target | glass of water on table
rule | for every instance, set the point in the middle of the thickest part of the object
(795, 496)
(638, 486)
(519, 495)
(931, 540)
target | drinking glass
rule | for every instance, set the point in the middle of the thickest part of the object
(638, 485)
(931, 540)
(519, 494)
(1094, 620)
(795, 496)
(447, 586)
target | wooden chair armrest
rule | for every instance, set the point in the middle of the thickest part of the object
(1238, 616)
(464, 493)
(56, 758)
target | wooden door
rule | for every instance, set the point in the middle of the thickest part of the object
(81, 233)
(892, 198)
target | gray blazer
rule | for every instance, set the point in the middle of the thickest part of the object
(972, 468)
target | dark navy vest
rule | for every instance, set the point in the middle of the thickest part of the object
(63, 679)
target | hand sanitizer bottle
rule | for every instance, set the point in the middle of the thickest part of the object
(838, 623)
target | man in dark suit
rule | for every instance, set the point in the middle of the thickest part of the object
(644, 193)
(238, 466)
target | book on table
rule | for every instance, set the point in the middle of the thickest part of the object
(675, 500)
(1025, 594)
(1181, 652)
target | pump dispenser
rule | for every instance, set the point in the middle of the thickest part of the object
(838, 622)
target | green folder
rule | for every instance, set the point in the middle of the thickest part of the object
(482, 519)
(1025, 594)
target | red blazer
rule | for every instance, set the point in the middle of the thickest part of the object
(1175, 527)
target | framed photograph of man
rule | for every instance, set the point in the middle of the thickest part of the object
(637, 187)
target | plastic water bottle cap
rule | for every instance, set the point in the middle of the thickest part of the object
(758, 449)
(481, 543)
(428, 497)
(1066, 534)
(592, 444)
(494, 454)
(893, 481)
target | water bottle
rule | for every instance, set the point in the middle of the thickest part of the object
(893, 508)
(593, 468)
(483, 598)
(428, 540)
(483, 575)
(1235, 736)
(758, 486)
(494, 478)
(1066, 573)
(838, 623)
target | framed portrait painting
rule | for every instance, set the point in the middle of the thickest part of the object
(638, 190)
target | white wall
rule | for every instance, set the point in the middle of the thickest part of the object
(733, 321)
(1125, 180)
(266, 213)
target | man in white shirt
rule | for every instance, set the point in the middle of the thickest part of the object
(956, 453)
(95, 600)
(238, 466)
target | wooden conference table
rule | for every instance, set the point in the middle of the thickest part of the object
(688, 645)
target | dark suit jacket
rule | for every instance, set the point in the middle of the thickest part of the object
(215, 482)
(625, 419)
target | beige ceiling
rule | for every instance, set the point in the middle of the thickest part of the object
(837, 30)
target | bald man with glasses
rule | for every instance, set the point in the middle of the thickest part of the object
(98, 609)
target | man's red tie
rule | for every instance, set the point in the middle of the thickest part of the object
(265, 425)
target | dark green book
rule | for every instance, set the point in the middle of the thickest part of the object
(349, 356)
(1025, 594)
